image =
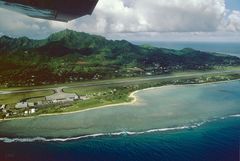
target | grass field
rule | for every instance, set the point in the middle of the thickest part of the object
(12, 99)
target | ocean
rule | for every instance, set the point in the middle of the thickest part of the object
(215, 141)
(231, 48)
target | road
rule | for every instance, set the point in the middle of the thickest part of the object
(119, 82)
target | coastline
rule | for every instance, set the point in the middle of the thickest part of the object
(132, 95)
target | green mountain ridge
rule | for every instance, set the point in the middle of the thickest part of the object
(73, 56)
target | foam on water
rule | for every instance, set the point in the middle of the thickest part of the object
(42, 139)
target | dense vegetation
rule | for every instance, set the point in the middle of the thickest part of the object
(73, 56)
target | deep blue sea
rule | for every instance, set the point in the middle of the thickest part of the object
(215, 141)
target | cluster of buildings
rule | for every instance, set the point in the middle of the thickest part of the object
(25, 105)
(55, 98)
(58, 97)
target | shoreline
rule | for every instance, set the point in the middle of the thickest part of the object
(132, 95)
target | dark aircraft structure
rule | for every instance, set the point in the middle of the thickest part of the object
(59, 10)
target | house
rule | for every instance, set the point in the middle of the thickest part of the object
(33, 110)
(39, 103)
(149, 73)
(21, 105)
(84, 98)
(2, 107)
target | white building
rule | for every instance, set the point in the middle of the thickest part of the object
(30, 104)
(33, 110)
(84, 98)
(39, 103)
(2, 107)
(21, 105)
(149, 73)
(59, 97)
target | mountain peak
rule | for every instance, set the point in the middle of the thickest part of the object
(74, 39)
(67, 35)
(67, 32)
(4, 37)
(24, 38)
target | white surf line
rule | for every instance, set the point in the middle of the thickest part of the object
(185, 127)
(42, 139)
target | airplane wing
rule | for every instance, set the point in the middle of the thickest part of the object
(59, 10)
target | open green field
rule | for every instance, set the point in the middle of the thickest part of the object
(12, 99)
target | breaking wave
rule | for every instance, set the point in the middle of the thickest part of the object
(42, 139)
